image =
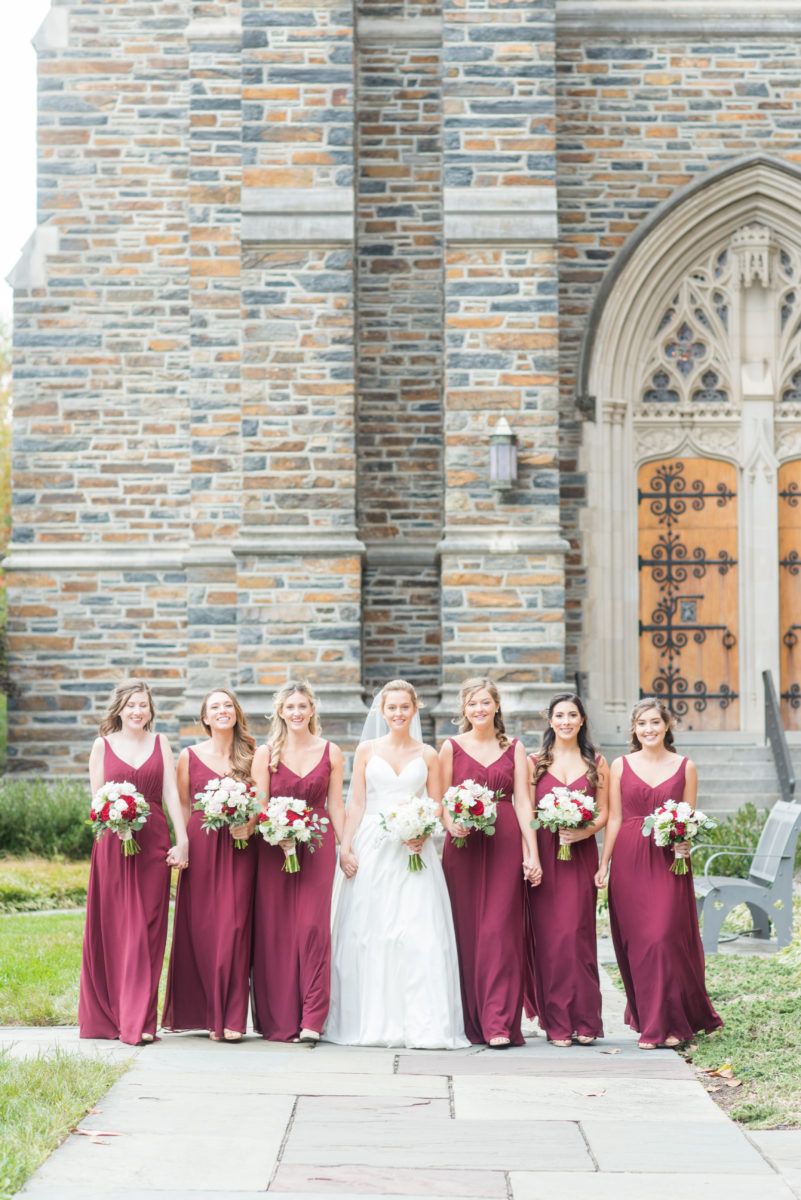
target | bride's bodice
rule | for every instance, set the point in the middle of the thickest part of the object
(385, 787)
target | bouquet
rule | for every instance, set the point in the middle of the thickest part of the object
(120, 808)
(226, 802)
(288, 818)
(564, 808)
(472, 805)
(676, 821)
(411, 817)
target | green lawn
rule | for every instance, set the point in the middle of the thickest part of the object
(41, 1099)
(30, 884)
(40, 961)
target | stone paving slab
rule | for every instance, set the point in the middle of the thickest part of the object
(617, 1186)
(383, 1108)
(522, 1145)
(782, 1147)
(300, 1083)
(652, 1064)
(580, 1098)
(185, 1113)
(674, 1146)
(26, 1042)
(389, 1181)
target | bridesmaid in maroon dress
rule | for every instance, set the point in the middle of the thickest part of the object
(209, 974)
(486, 877)
(652, 911)
(128, 897)
(566, 986)
(291, 981)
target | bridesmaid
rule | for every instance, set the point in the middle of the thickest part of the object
(291, 981)
(566, 985)
(208, 977)
(486, 876)
(652, 911)
(128, 897)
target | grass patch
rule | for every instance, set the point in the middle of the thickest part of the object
(37, 884)
(41, 1099)
(40, 966)
(45, 817)
(40, 963)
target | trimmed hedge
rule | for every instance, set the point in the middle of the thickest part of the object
(45, 817)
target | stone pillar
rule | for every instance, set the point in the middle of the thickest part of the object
(298, 555)
(214, 36)
(95, 577)
(502, 553)
(399, 288)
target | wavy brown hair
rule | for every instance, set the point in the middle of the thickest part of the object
(111, 720)
(243, 746)
(642, 706)
(278, 728)
(586, 748)
(469, 688)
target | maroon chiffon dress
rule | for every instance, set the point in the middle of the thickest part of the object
(126, 916)
(562, 909)
(291, 980)
(654, 922)
(488, 899)
(209, 973)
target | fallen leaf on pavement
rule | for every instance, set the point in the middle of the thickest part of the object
(616, 1051)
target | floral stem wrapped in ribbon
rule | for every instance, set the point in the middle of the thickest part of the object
(473, 806)
(289, 820)
(675, 821)
(411, 818)
(120, 808)
(226, 803)
(565, 808)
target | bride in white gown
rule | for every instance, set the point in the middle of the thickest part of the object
(394, 970)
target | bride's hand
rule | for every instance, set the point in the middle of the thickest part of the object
(348, 863)
(415, 845)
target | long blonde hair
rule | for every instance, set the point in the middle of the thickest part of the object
(243, 746)
(111, 720)
(278, 728)
(478, 684)
(398, 685)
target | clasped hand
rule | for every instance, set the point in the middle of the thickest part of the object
(178, 855)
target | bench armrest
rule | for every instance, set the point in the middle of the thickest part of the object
(724, 851)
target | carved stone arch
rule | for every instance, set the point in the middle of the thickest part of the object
(736, 397)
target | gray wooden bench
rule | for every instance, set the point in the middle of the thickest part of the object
(768, 888)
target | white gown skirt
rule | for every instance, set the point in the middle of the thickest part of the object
(394, 970)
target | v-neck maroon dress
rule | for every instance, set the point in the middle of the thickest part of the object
(208, 981)
(126, 916)
(566, 983)
(488, 899)
(654, 922)
(291, 979)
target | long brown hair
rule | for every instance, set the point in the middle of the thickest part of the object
(278, 728)
(111, 720)
(469, 688)
(243, 746)
(642, 706)
(586, 748)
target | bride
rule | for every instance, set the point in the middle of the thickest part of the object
(394, 971)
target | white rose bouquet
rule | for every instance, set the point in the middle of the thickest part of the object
(226, 803)
(564, 808)
(472, 805)
(288, 819)
(410, 818)
(676, 821)
(120, 808)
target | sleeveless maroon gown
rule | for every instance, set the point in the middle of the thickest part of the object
(209, 972)
(654, 923)
(291, 980)
(562, 909)
(126, 916)
(487, 891)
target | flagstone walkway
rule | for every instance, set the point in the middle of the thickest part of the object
(193, 1120)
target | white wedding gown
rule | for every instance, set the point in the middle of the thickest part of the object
(394, 970)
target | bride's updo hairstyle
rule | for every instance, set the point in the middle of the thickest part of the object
(397, 685)
(111, 720)
(643, 706)
(244, 745)
(481, 683)
(278, 728)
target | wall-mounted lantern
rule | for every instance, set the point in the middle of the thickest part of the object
(503, 456)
